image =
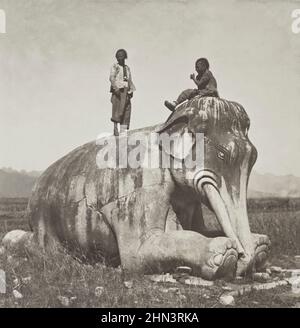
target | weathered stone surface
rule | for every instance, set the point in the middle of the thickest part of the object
(164, 290)
(17, 294)
(16, 282)
(238, 290)
(163, 278)
(64, 301)
(174, 290)
(197, 281)
(128, 284)
(16, 239)
(276, 269)
(26, 280)
(227, 300)
(183, 270)
(150, 220)
(99, 291)
(292, 272)
(261, 276)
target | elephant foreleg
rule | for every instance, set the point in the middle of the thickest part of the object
(208, 258)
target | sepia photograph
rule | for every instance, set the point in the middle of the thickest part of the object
(149, 156)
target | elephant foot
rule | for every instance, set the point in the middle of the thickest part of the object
(262, 246)
(248, 264)
(221, 259)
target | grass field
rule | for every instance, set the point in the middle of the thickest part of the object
(53, 277)
(53, 281)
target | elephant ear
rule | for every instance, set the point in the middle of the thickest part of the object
(183, 124)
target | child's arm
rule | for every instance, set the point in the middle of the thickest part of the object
(112, 78)
(202, 83)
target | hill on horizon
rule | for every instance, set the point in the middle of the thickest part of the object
(15, 183)
(284, 186)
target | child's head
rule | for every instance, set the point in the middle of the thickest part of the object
(121, 55)
(201, 65)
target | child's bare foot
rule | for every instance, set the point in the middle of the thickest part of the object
(170, 105)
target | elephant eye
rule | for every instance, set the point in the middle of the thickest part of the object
(221, 155)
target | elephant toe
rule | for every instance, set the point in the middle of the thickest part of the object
(222, 259)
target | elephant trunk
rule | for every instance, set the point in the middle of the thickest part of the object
(221, 213)
(232, 217)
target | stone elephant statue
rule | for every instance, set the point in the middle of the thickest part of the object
(150, 219)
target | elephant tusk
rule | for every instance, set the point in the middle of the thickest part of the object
(220, 210)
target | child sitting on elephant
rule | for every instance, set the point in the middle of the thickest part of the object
(205, 81)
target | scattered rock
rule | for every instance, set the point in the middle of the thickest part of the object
(99, 291)
(128, 284)
(276, 269)
(65, 301)
(292, 272)
(295, 283)
(162, 278)
(297, 305)
(270, 285)
(17, 294)
(227, 300)
(197, 281)
(184, 270)
(26, 280)
(174, 290)
(16, 282)
(164, 290)
(17, 238)
(261, 276)
(268, 271)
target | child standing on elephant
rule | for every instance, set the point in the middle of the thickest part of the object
(122, 89)
(205, 82)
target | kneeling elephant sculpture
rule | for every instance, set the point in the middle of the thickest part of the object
(150, 220)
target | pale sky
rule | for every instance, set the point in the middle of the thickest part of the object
(56, 55)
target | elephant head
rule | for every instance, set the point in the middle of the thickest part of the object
(221, 180)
